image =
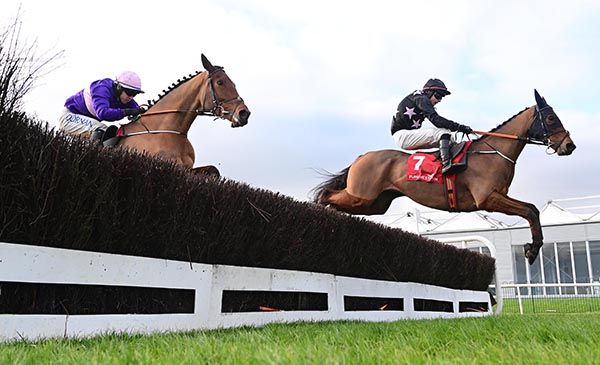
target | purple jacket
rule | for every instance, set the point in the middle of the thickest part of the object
(99, 101)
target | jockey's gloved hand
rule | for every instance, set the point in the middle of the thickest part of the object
(464, 129)
(133, 111)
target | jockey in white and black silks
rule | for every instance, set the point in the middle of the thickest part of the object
(103, 100)
(412, 111)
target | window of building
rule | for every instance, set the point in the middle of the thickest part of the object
(595, 259)
(549, 261)
(535, 276)
(560, 262)
(565, 268)
(519, 267)
(479, 249)
(582, 274)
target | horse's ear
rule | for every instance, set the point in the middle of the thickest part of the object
(539, 100)
(206, 63)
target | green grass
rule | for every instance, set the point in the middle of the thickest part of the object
(509, 339)
(552, 305)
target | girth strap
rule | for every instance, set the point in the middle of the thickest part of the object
(449, 184)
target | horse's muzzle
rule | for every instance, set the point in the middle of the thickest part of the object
(566, 146)
(242, 119)
(567, 150)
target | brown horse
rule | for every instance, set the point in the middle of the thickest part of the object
(162, 130)
(374, 179)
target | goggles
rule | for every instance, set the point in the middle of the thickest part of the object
(131, 92)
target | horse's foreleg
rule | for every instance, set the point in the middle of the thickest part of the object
(500, 203)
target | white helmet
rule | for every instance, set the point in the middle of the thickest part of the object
(130, 80)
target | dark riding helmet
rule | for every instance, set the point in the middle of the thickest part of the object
(435, 85)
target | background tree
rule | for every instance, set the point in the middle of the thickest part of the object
(20, 65)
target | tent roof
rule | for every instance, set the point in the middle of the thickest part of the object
(554, 212)
(470, 221)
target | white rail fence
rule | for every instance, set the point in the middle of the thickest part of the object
(35, 264)
(553, 298)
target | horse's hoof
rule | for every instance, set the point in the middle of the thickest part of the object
(531, 252)
(207, 172)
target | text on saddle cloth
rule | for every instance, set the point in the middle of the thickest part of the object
(427, 167)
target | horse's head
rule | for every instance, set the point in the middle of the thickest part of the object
(225, 100)
(548, 128)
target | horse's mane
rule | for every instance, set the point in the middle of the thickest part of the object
(173, 87)
(508, 120)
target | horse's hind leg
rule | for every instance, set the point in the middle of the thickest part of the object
(343, 201)
(384, 200)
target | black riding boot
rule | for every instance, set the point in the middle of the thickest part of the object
(445, 154)
(98, 133)
(105, 134)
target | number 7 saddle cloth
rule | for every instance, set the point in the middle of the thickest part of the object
(427, 167)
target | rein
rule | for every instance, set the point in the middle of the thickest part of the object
(527, 140)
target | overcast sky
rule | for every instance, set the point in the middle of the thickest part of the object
(323, 78)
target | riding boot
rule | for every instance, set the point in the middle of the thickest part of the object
(445, 154)
(98, 133)
(105, 134)
(109, 139)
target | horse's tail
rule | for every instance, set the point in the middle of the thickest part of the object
(336, 182)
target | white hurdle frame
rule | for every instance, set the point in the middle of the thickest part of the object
(461, 242)
(38, 264)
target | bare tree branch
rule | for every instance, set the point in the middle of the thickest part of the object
(20, 66)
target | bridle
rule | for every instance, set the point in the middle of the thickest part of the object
(539, 133)
(547, 131)
(218, 110)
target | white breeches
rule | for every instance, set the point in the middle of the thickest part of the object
(412, 139)
(77, 124)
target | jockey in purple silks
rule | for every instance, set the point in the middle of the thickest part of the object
(103, 100)
(411, 113)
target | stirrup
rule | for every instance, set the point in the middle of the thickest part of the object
(448, 168)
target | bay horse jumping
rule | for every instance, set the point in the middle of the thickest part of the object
(374, 179)
(162, 130)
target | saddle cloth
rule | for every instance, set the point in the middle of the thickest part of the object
(427, 167)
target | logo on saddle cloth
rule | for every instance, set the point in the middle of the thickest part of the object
(427, 167)
(424, 167)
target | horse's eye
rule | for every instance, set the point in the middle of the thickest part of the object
(550, 119)
(220, 82)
